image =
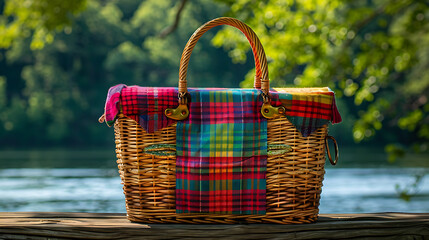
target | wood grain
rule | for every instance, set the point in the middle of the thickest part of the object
(44, 225)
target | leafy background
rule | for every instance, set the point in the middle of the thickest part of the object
(58, 59)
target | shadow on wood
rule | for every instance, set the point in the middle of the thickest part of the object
(44, 225)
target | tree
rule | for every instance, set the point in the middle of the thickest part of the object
(374, 53)
(36, 18)
(52, 94)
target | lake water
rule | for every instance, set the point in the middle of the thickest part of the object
(88, 181)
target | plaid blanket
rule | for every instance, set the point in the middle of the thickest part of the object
(146, 105)
(222, 154)
(111, 109)
(307, 108)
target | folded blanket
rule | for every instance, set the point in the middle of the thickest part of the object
(306, 108)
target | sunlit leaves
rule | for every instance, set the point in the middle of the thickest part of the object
(370, 121)
(291, 38)
(47, 93)
(111, 13)
(36, 18)
(375, 52)
(367, 51)
(350, 87)
(410, 121)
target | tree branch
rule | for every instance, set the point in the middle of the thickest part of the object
(168, 30)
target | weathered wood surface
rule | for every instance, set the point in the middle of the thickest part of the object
(39, 225)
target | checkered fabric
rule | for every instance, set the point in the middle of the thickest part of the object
(146, 105)
(222, 153)
(307, 108)
(111, 109)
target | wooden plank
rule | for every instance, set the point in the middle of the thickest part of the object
(36, 225)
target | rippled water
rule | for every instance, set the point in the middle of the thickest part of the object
(358, 190)
(345, 190)
(61, 190)
(88, 181)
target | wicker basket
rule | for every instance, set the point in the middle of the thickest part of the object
(294, 180)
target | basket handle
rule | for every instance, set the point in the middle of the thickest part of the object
(261, 66)
(333, 162)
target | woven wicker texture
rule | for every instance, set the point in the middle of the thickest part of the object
(294, 179)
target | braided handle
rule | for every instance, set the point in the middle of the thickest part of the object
(261, 78)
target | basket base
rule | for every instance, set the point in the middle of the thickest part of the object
(302, 217)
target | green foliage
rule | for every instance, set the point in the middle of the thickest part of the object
(373, 53)
(394, 152)
(52, 96)
(36, 18)
(370, 121)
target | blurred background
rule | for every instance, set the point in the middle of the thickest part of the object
(58, 59)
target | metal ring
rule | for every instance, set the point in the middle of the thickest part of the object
(329, 152)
